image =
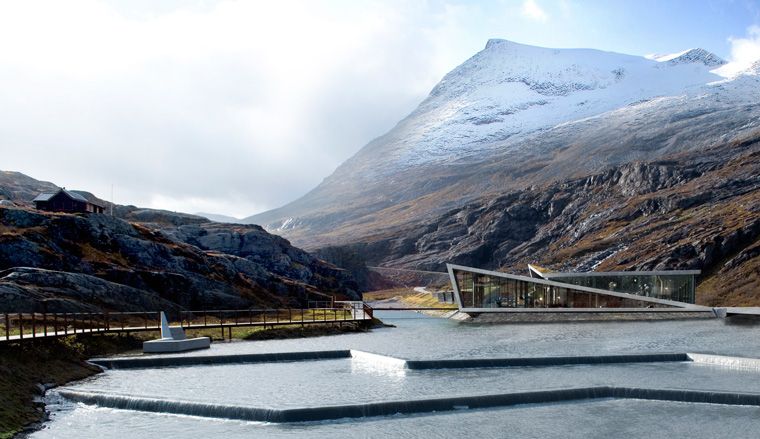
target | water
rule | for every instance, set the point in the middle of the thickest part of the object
(420, 337)
(599, 419)
(347, 381)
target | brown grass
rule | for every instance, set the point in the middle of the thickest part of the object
(55, 362)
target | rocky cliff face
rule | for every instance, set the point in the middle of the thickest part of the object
(686, 211)
(77, 262)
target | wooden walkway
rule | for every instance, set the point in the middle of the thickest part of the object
(21, 327)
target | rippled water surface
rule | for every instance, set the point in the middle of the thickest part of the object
(598, 419)
(419, 337)
(346, 381)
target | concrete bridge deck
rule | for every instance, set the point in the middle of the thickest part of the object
(743, 310)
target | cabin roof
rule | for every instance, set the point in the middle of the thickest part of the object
(46, 196)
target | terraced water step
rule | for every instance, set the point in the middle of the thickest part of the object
(388, 408)
(175, 361)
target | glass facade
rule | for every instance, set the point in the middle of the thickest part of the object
(477, 290)
(678, 287)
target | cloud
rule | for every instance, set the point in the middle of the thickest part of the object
(531, 10)
(230, 106)
(744, 52)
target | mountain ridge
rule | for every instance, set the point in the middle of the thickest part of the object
(370, 182)
(673, 157)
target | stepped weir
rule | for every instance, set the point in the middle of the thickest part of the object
(420, 405)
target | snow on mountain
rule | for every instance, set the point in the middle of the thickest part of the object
(508, 91)
(697, 55)
(754, 69)
(513, 116)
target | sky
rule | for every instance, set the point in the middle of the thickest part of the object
(237, 107)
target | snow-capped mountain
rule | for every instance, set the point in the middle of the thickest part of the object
(691, 56)
(509, 91)
(515, 115)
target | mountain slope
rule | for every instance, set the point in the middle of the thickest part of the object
(690, 210)
(514, 116)
(573, 159)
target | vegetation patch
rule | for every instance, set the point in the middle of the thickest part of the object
(27, 369)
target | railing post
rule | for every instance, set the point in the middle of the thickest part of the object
(205, 321)
(265, 318)
(65, 324)
(34, 327)
(250, 316)
(108, 322)
(7, 327)
(277, 315)
(221, 324)
(44, 324)
(290, 314)
(302, 317)
(20, 326)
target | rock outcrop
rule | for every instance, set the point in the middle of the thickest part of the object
(688, 211)
(26, 289)
(78, 262)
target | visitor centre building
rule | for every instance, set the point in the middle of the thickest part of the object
(483, 291)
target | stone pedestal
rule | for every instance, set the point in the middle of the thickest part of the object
(173, 340)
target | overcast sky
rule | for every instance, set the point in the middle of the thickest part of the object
(236, 107)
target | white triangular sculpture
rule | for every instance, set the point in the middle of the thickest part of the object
(173, 340)
(165, 331)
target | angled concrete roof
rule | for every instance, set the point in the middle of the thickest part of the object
(548, 274)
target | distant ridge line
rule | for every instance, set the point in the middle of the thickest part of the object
(409, 270)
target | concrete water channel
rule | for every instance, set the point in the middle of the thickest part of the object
(634, 379)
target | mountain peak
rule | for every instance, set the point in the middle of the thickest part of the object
(692, 56)
(493, 42)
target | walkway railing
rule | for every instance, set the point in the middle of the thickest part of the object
(27, 326)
